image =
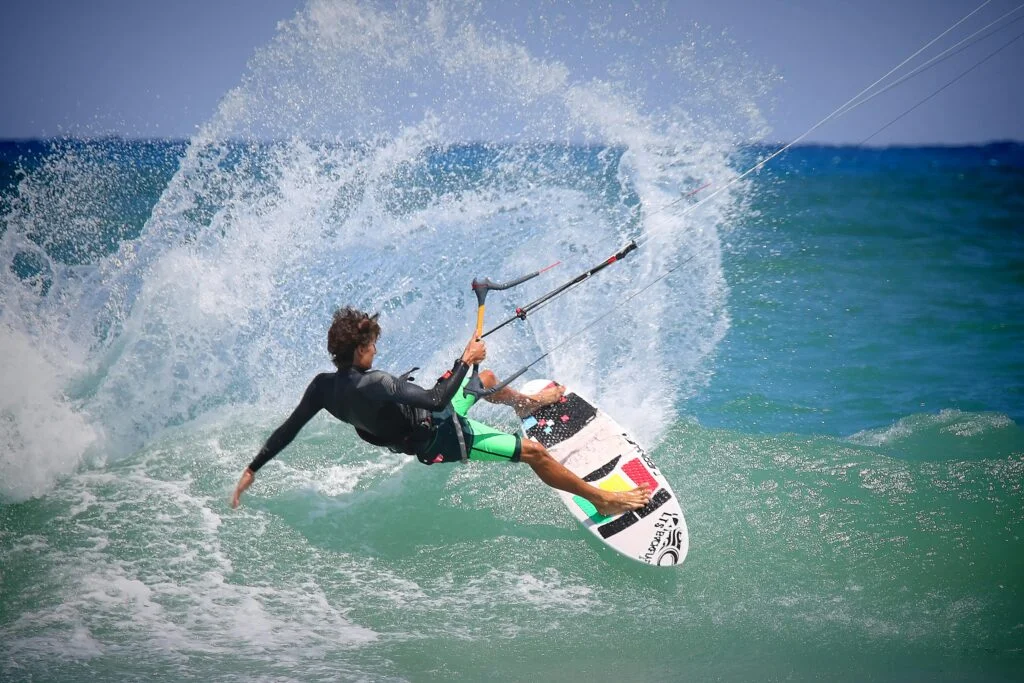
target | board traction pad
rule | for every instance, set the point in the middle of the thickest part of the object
(557, 422)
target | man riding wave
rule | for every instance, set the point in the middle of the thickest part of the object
(430, 424)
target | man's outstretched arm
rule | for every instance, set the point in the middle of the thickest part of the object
(310, 405)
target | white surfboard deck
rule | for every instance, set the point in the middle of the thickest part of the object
(594, 447)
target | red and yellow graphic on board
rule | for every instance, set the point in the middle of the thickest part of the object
(637, 472)
(638, 475)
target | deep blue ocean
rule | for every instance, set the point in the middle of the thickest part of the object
(833, 380)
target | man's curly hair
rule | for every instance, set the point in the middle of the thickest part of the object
(350, 329)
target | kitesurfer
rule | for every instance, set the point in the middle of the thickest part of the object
(431, 424)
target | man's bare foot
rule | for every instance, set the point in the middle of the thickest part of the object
(623, 501)
(531, 403)
(549, 395)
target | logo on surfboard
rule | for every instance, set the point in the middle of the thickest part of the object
(665, 546)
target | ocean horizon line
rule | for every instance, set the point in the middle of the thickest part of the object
(44, 140)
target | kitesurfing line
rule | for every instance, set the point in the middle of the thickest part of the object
(479, 391)
(942, 56)
(615, 307)
(522, 312)
(975, 66)
(481, 287)
(646, 235)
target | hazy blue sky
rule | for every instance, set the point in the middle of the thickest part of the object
(157, 68)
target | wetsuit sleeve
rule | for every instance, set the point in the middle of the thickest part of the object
(435, 399)
(311, 403)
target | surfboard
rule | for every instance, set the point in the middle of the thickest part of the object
(593, 446)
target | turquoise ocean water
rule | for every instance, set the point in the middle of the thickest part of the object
(834, 382)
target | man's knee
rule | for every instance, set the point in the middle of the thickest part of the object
(488, 379)
(533, 452)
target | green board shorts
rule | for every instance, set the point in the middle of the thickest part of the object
(482, 442)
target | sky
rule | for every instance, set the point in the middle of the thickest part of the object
(151, 68)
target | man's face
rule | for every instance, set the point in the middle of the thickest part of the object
(372, 350)
(365, 354)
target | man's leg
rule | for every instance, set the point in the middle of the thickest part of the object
(552, 472)
(523, 404)
(489, 444)
(556, 475)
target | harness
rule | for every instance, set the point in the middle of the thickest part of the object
(423, 427)
(422, 432)
(450, 415)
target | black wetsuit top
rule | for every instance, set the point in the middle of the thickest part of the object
(385, 410)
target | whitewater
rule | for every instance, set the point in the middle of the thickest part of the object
(833, 382)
